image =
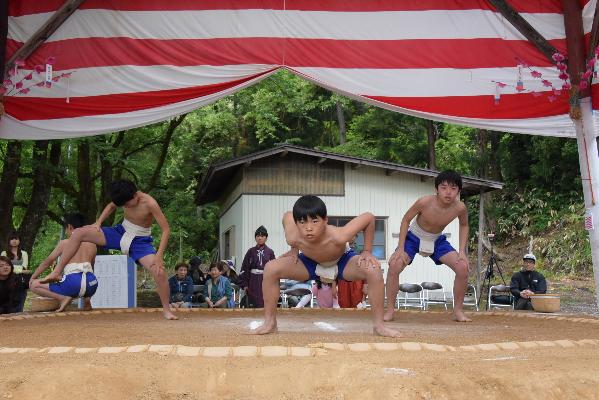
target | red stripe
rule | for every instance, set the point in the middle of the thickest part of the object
(41, 108)
(382, 54)
(511, 106)
(25, 7)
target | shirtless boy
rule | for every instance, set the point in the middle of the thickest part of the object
(433, 213)
(132, 237)
(324, 253)
(78, 279)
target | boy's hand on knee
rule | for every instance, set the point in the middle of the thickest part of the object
(399, 256)
(367, 260)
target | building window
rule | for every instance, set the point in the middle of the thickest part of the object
(228, 243)
(378, 244)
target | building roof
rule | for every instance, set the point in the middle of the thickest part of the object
(211, 187)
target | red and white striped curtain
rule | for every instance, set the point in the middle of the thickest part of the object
(126, 63)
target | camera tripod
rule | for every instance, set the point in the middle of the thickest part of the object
(492, 266)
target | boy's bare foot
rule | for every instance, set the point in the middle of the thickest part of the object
(51, 278)
(382, 330)
(389, 315)
(169, 315)
(64, 303)
(459, 316)
(87, 304)
(265, 328)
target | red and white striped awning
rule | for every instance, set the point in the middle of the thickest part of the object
(138, 62)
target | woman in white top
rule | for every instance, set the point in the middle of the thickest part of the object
(20, 261)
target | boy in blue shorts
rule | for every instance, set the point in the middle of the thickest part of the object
(133, 237)
(429, 216)
(324, 253)
(78, 279)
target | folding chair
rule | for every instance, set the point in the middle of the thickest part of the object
(471, 297)
(428, 286)
(406, 289)
(494, 301)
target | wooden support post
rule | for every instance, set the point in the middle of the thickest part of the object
(44, 32)
(481, 233)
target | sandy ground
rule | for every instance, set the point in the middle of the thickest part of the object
(542, 372)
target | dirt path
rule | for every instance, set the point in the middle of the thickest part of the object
(547, 357)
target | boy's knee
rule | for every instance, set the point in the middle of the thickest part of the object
(461, 269)
(270, 270)
(374, 275)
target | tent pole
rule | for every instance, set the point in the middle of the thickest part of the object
(481, 232)
(581, 112)
(589, 171)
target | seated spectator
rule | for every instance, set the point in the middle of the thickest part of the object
(181, 287)
(198, 276)
(11, 287)
(20, 262)
(325, 293)
(351, 294)
(229, 272)
(217, 291)
(527, 282)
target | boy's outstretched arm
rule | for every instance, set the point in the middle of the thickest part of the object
(48, 261)
(365, 223)
(166, 231)
(291, 235)
(109, 209)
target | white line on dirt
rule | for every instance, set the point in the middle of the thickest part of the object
(325, 326)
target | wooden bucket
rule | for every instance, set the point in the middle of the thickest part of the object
(547, 303)
(40, 304)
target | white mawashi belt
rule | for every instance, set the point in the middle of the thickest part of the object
(131, 231)
(79, 268)
(327, 271)
(257, 271)
(427, 239)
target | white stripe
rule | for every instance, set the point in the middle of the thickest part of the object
(434, 82)
(132, 79)
(388, 25)
(11, 128)
(588, 13)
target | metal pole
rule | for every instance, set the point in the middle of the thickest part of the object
(588, 157)
(481, 232)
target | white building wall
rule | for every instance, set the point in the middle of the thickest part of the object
(366, 189)
(233, 219)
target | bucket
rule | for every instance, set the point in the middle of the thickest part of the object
(547, 303)
(40, 304)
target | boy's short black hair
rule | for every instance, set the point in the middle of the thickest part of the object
(217, 265)
(449, 176)
(261, 231)
(77, 220)
(182, 265)
(121, 191)
(309, 206)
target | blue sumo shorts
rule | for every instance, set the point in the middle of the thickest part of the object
(442, 247)
(140, 247)
(311, 264)
(70, 285)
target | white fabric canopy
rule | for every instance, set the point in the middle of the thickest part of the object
(134, 63)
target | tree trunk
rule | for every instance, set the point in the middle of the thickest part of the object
(494, 160)
(481, 137)
(8, 183)
(341, 120)
(86, 197)
(172, 126)
(43, 176)
(432, 139)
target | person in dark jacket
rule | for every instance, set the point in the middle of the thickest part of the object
(181, 287)
(11, 287)
(527, 282)
(252, 268)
